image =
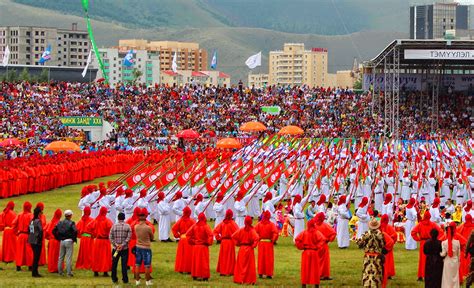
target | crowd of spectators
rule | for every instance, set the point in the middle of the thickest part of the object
(143, 114)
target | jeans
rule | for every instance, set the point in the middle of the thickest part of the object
(123, 255)
(36, 256)
(66, 249)
(143, 256)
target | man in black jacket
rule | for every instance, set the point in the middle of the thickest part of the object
(66, 232)
(35, 239)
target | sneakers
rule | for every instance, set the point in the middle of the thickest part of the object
(137, 282)
(149, 283)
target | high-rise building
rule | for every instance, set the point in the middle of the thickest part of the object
(146, 62)
(296, 66)
(189, 55)
(436, 20)
(69, 47)
(258, 80)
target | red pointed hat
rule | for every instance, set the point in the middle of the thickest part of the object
(322, 199)
(388, 198)
(364, 202)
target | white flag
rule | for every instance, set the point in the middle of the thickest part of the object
(6, 57)
(89, 60)
(254, 60)
(174, 66)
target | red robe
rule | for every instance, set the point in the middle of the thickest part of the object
(246, 239)
(310, 240)
(8, 238)
(389, 265)
(84, 257)
(465, 230)
(389, 243)
(268, 234)
(53, 246)
(226, 261)
(101, 249)
(200, 237)
(324, 254)
(184, 250)
(24, 254)
(421, 233)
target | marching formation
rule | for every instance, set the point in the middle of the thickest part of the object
(316, 191)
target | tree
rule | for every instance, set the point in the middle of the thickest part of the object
(358, 84)
(24, 75)
(44, 76)
(136, 75)
(12, 76)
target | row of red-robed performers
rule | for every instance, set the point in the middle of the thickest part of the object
(37, 174)
(95, 252)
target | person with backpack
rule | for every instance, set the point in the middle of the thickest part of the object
(35, 239)
(66, 232)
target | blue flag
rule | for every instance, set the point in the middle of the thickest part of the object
(46, 56)
(128, 60)
(214, 60)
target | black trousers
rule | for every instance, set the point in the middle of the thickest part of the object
(36, 257)
(123, 256)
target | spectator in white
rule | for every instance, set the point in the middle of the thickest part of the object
(66, 232)
(120, 235)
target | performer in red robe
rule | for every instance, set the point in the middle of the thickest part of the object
(421, 233)
(268, 235)
(53, 244)
(465, 230)
(101, 251)
(184, 250)
(223, 234)
(200, 237)
(8, 238)
(324, 254)
(310, 241)
(42, 217)
(84, 257)
(389, 243)
(246, 238)
(23, 254)
(389, 265)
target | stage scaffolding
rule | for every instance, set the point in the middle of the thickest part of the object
(391, 63)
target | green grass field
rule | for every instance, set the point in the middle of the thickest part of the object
(346, 265)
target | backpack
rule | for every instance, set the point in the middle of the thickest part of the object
(59, 232)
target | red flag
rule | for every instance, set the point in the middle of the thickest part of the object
(229, 181)
(247, 167)
(198, 176)
(214, 165)
(275, 175)
(247, 184)
(153, 176)
(184, 177)
(268, 169)
(213, 182)
(258, 169)
(291, 169)
(309, 172)
(166, 178)
(137, 177)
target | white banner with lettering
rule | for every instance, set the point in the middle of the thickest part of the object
(439, 54)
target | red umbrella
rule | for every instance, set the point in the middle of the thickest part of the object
(210, 133)
(188, 134)
(10, 142)
(100, 80)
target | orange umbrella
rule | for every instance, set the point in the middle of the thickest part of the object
(57, 146)
(253, 127)
(291, 130)
(228, 143)
(10, 142)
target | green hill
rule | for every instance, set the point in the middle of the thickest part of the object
(234, 44)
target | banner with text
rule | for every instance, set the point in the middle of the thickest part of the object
(81, 121)
(438, 54)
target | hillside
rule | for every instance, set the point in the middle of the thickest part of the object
(326, 17)
(234, 44)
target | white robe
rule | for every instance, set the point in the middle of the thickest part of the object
(378, 191)
(299, 219)
(406, 191)
(164, 221)
(128, 206)
(220, 211)
(390, 185)
(343, 218)
(445, 190)
(388, 209)
(178, 206)
(241, 211)
(106, 202)
(450, 277)
(411, 215)
(363, 223)
(435, 215)
(270, 207)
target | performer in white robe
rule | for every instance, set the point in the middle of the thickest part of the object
(128, 203)
(406, 191)
(325, 184)
(431, 183)
(269, 203)
(378, 194)
(93, 199)
(178, 205)
(364, 217)
(434, 211)
(321, 204)
(298, 213)
(390, 181)
(343, 217)
(445, 188)
(241, 208)
(367, 187)
(460, 192)
(411, 215)
(219, 210)
(387, 207)
(164, 214)
(119, 198)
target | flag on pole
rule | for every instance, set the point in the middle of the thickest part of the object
(128, 60)
(174, 65)
(254, 60)
(46, 56)
(214, 60)
(89, 60)
(6, 56)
